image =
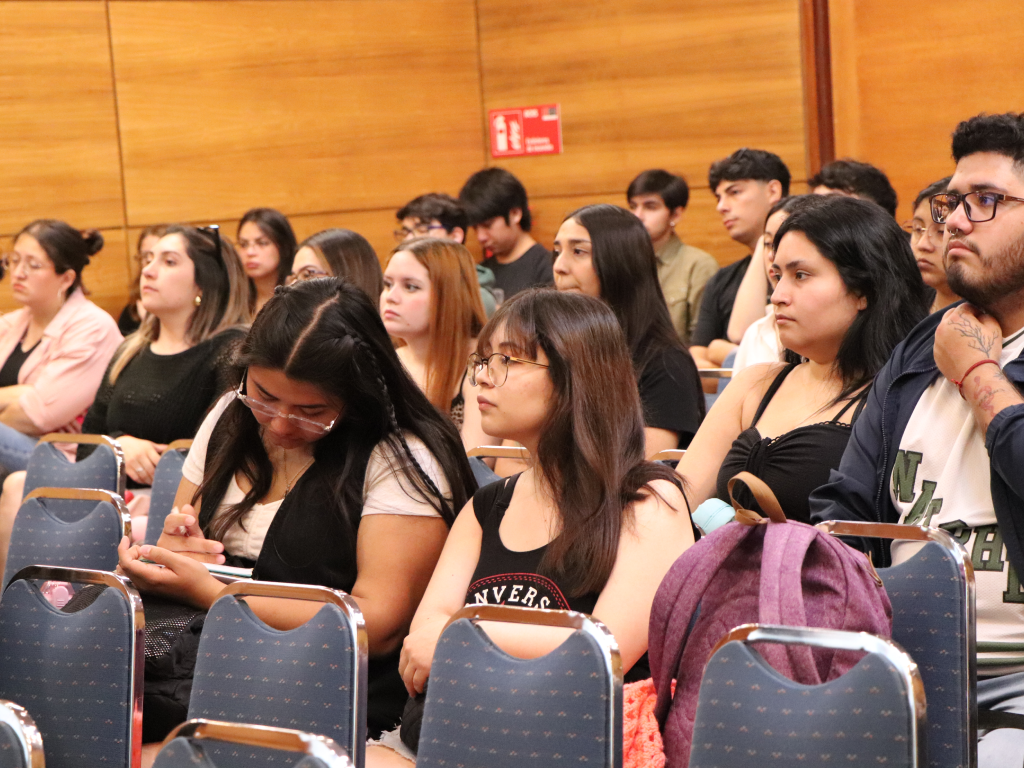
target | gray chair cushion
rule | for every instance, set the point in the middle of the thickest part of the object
(247, 672)
(929, 621)
(11, 749)
(486, 709)
(49, 467)
(71, 672)
(165, 487)
(748, 714)
(40, 537)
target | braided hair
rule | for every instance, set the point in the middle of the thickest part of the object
(326, 332)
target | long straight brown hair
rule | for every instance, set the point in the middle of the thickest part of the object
(456, 313)
(591, 451)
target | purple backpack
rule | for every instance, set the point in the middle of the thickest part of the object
(764, 571)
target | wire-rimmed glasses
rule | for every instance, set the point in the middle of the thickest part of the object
(979, 206)
(497, 367)
(306, 273)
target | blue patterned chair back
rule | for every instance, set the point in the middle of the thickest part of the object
(312, 678)
(933, 619)
(748, 714)
(49, 467)
(20, 743)
(166, 479)
(485, 708)
(41, 537)
(197, 743)
(78, 674)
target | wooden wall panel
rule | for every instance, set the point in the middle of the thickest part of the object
(646, 83)
(904, 74)
(58, 133)
(304, 106)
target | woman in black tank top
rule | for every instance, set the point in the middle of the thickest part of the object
(846, 292)
(553, 373)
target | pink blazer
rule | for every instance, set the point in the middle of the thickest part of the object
(66, 367)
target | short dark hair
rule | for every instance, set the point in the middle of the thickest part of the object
(436, 206)
(935, 188)
(755, 164)
(672, 189)
(276, 226)
(1002, 134)
(857, 178)
(874, 260)
(67, 247)
(494, 192)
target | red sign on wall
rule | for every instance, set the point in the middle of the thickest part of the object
(526, 131)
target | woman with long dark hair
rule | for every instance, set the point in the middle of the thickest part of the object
(339, 253)
(926, 240)
(590, 526)
(266, 247)
(847, 291)
(327, 466)
(605, 252)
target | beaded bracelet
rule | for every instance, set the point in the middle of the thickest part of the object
(960, 384)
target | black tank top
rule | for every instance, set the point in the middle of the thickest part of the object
(792, 464)
(12, 367)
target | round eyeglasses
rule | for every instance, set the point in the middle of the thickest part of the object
(259, 408)
(497, 367)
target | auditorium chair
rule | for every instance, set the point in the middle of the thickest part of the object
(21, 746)
(166, 480)
(193, 744)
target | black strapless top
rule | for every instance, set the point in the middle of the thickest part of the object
(792, 464)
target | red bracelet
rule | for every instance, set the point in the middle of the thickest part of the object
(960, 384)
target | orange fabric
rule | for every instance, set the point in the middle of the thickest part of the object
(641, 739)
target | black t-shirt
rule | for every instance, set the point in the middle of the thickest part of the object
(671, 394)
(533, 268)
(12, 366)
(716, 306)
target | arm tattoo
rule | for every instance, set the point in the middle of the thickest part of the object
(979, 340)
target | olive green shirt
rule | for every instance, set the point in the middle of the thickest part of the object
(682, 271)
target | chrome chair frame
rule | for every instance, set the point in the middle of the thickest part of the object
(568, 620)
(20, 721)
(715, 373)
(499, 452)
(850, 641)
(669, 454)
(357, 625)
(180, 445)
(81, 439)
(87, 494)
(268, 737)
(126, 588)
(896, 532)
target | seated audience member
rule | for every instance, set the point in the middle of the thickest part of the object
(266, 247)
(926, 240)
(339, 253)
(56, 347)
(605, 252)
(592, 525)
(855, 179)
(760, 342)
(495, 202)
(326, 466)
(440, 215)
(134, 313)
(746, 184)
(658, 198)
(847, 291)
(431, 303)
(940, 442)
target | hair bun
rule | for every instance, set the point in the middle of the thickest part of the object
(93, 241)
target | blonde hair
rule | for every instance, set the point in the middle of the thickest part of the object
(456, 313)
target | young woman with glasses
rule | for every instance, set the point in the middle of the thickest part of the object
(590, 526)
(926, 241)
(266, 247)
(604, 251)
(339, 253)
(53, 350)
(431, 304)
(327, 466)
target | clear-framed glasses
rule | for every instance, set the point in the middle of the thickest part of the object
(917, 231)
(306, 273)
(497, 366)
(979, 206)
(420, 230)
(267, 411)
(11, 262)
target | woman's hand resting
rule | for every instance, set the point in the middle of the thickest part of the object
(140, 458)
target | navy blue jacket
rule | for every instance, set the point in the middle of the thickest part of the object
(860, 488)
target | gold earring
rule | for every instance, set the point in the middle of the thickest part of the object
(199, 299)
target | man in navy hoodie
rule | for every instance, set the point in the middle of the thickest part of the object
(941, 441)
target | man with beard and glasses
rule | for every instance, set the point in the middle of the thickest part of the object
(941, 441)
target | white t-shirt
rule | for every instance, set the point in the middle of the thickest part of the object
(383, 492)
(941, 479)
(760, 343)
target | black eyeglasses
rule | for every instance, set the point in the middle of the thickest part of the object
(979, 206)
(496, 365)
(213, 230)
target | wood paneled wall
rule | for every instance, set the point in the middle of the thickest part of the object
(904, 74)
(117, 114)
